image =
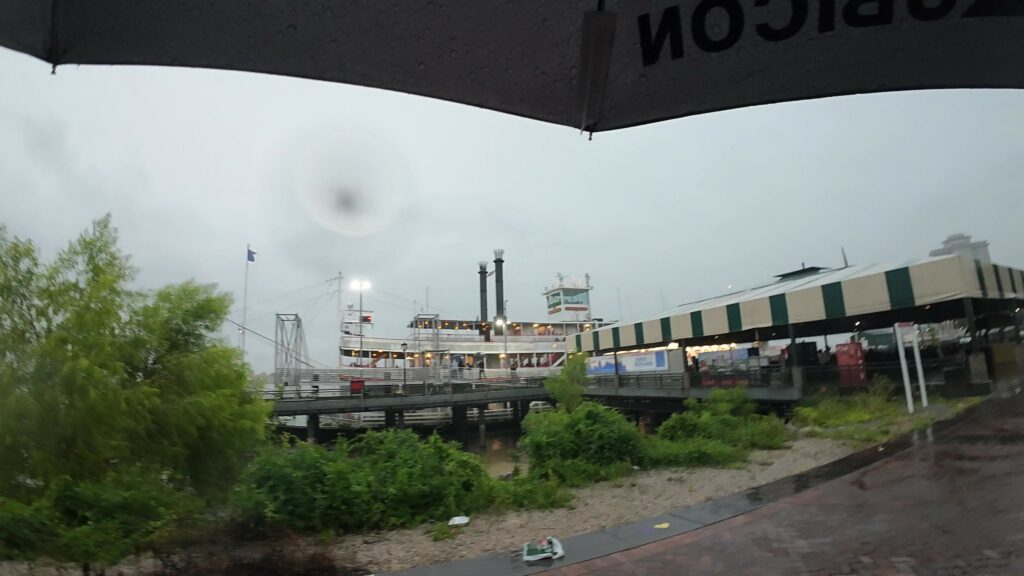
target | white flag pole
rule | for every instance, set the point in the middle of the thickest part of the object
(245, 297)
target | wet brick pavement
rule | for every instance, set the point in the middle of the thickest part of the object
(950, 506)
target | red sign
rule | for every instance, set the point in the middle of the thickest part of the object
(850, 359)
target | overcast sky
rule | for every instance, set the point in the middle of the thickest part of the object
(194, 164)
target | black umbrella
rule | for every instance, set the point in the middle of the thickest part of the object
(591, 65)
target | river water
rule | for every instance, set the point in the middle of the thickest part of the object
(496, 447)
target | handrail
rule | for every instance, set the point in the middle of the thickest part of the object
(398, 389)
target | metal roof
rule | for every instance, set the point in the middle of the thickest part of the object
(826, 295)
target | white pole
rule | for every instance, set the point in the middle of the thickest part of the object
(903, 368)
(360, 330)
(245, 297)
(920, 368)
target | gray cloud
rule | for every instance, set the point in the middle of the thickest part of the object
(194, 164)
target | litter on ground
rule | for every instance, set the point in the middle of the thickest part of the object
(548, 547)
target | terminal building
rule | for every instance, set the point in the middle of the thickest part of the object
(966, 309)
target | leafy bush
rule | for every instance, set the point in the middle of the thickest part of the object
(96, 521)
(833, 412)
(727, 416)
(530, 493)
(380, 480)
(591, 443)
(661, 452)
(24, 529)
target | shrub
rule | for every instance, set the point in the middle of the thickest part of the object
(98, 521)
(591, 443)
(527, 493)
(286, 485)
(661, 452)
(833, 412)
(24, 529)
(727, 416)
(381, 480)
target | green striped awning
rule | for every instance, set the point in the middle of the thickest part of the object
(826, 295)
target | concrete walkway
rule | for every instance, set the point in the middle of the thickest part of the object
(952, 504)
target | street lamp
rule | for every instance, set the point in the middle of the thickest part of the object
(405, 364)
(501, 322)
(360, 286)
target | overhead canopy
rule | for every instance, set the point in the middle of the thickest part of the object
(821, 302)
(635, 62)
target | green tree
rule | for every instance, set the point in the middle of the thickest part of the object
(567, 387)
(118, 408)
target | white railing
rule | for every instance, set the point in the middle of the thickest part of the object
(333, 378)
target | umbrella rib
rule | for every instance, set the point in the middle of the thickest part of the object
(54, 34)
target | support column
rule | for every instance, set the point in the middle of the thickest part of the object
(312, 427)
(794, 365)
(972, 324)
(390, 418)
(400, 420)
(459, 419)
(481, 421)
(977, 364)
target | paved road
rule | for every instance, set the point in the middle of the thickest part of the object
(954, 506)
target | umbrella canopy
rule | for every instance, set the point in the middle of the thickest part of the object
(590, 65)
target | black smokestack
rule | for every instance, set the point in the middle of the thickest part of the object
(483, 301)
(499, 283)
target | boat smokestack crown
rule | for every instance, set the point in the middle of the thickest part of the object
(483, 300)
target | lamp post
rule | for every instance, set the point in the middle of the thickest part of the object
(360, 286)
(503, 323)
(405, 364)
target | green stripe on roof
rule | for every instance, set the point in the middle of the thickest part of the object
(597, 340)
(901, 291)
(999, 281)
(697, 323)
(579, 342)
(615, 337)
(666, 329)
(639, 330)
(780, 311)
(732, 313)
(835, 305)
(981, 278)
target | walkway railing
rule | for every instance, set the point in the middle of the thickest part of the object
(428, 417)
(397, 389)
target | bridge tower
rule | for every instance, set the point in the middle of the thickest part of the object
(290, 352)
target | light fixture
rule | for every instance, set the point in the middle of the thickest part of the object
(360, 285)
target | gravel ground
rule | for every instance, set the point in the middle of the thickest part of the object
(644, 494)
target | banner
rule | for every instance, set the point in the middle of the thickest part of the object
(628, 363)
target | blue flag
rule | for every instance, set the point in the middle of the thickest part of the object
(251, 256)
